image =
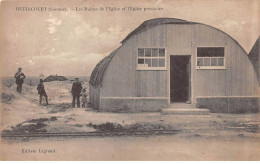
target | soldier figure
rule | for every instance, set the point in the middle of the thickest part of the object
(41, 92)
(76, 90)
(19, 76)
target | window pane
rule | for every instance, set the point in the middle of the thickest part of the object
(148, 52)
(140, 52)
(161, 62)
(213, 61)
(154, 52)
(206, 61)
(220, 61)
(199, 61)
(140, 61)
(161, 52)
(148, 62)
(155, 62)
(210, 51)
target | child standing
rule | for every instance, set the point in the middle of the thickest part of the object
(84, 98)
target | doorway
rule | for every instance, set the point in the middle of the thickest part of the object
(180, 73)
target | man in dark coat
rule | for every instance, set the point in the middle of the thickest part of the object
(41, 92)
(76, 90)
(19, 76)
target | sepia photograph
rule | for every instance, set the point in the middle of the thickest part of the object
(139, 80)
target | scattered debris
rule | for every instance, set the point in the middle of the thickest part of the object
(252, 128)
(31, 126)
(241, 135)
(7, 98)
(196, 135)
(232, 125)
(79, 125)
(134, 129)
(71, 118)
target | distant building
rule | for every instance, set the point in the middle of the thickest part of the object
(168, 60)
(55, 78)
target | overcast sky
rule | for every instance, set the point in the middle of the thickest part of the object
(73, 42)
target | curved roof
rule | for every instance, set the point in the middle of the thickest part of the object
(98, 72)
(154, 22)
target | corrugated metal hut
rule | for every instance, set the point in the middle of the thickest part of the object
(167, 60)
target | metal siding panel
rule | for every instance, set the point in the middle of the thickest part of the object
(142, 39)
(144, 82)
(162, 35)
(228, 72)
(119, 75)
(233, 55)
(149, 83)
(200, 84)
(212, 87)
(153, 37)
(243, 70)
(152, 83)
(221, 86)
(138, 84)
(180, 40)
(249, 80)
(169, 38)
(239, 72)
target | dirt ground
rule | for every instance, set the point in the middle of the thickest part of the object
(122, 136)
(162, 147)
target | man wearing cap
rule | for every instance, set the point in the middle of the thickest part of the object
(19, 76)
(42, 92)
(76, 90)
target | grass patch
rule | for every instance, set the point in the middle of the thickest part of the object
(137, 127)
(31, 126)
(7, 98)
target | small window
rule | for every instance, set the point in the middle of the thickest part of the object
(148, 52)
(151, 58)
(140, 52)
(206, 62)
(214, 62)
(220, 61)
(140, 61)
(161, 62)
(161, 52)
(210, 57)
(148, 62)
(199, 61)
(155, 62)
(154, 52)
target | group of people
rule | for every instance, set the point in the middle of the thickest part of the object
(76, 90)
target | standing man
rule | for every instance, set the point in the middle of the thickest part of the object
(19, 76)
(76, 89)
(41, 92)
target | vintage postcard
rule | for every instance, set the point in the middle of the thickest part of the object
(149, 80)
